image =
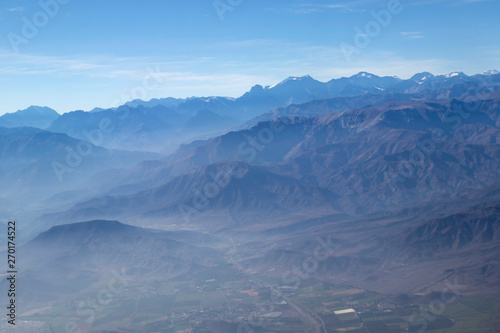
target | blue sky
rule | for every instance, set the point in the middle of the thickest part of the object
(91, 53)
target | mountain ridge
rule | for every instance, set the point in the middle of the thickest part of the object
(141, 125)
(33, 116)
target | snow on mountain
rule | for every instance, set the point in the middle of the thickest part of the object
(491, 72)
(291, 78)
(454, 74)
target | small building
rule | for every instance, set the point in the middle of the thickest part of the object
(339, 312)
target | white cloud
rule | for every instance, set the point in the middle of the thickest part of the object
(455, 2)
(310, 8)
(412, 34)
(16, 9)
(90, 66)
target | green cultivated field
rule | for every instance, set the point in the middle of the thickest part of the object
(190, 306)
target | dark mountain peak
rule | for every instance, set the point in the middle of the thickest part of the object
(34, 116)
(168, 102)
(256, 91)
(80, 230)
(38, 110)
(99, 224)
(257, 88)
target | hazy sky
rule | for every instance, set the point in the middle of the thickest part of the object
(89, 53)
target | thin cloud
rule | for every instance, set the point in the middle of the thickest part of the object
(454, 2)
(472, 1)
(91, 66)
(16, 9)
(311, 8)
(412, 34)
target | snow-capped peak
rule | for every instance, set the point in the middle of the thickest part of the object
(421, 77)
(453, 74)
(365, 74)
(491, 72)
(291, 78)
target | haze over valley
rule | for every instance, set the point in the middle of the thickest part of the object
(394, 182)
(233, 166)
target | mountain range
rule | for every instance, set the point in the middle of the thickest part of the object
(140, 125)
(402, 175)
